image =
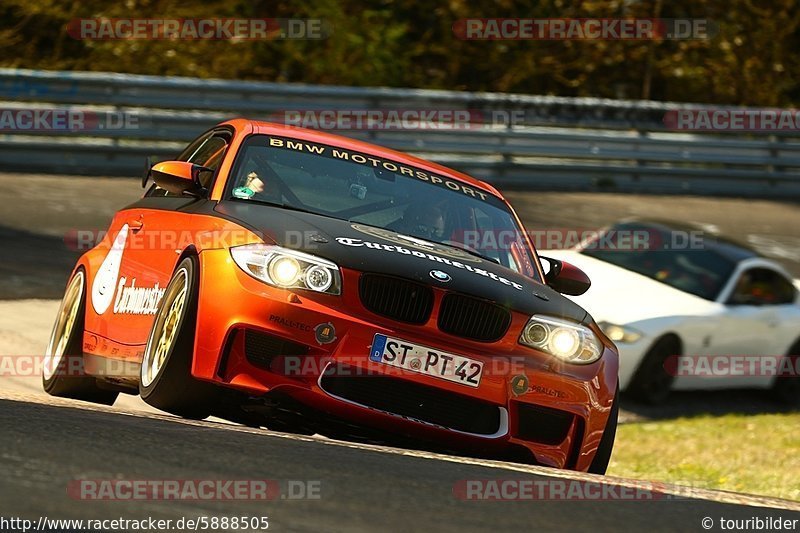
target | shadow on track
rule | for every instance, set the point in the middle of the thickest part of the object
(34, 265)
(697, 403)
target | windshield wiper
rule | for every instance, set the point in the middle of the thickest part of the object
(289, 207)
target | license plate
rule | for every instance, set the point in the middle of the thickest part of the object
(424, 360)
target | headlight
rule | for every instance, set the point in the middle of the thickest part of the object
(288, 269)
(619, 333)
(569, 341)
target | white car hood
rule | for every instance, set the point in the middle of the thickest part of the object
(622, 297)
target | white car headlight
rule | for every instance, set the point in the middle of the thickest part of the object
(567, 340)
(619, 333)
(288, 269)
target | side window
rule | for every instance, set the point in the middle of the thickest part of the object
(194, 146)
(762, 286)
(209, 154)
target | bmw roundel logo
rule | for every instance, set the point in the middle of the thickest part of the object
(438, 275)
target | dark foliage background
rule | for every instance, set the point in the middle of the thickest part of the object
(753, 60)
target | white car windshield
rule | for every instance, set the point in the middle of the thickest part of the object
(697, 269)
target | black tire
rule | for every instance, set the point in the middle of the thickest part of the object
(170, 387)
(63, 374)
(603, 456)
(651, 383)
(786, 389)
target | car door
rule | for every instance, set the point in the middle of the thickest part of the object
(757, 320)
(160, 228)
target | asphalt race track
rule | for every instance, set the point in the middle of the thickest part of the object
(46, 443)
(362, 487)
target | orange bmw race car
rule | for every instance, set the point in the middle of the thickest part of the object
(313, 283)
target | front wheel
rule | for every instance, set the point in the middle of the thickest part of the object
(603, 455)
(786, 389)
(64, 373)
(165, 379)
(652, 383)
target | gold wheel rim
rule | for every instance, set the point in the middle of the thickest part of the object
(65, 323)
(165, 328)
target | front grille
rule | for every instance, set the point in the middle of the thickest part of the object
(420, 402)
(472, 318)
(541, 424)
(261, 349)
(396, 298)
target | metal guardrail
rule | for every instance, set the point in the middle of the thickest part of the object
(554, 143)
(102, 88)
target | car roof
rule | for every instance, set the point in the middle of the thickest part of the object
(262, 127)
(727, 247)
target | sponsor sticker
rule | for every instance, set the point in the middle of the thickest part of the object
(519, 384)
(288, 323)
(325, 333)
(348, 241)
(381, 164)
(135, 300)
(106, 279)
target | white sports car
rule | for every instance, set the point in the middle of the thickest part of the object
(671, 297)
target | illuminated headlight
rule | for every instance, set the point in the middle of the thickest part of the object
(569, 341)
(285, 271)
(288, 269)
(617, 333)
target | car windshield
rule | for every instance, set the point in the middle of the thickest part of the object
(671, 257)
(380, 193)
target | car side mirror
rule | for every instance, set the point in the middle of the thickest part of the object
(179, 177)
(566, 278)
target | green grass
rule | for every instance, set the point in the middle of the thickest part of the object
(756, 454)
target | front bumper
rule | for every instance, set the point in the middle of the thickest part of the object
(260, 340)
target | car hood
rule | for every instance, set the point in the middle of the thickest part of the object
(364, 248)
(620, 296)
